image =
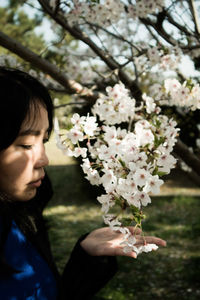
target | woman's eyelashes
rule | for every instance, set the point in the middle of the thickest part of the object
(30, 146)
(26, 147)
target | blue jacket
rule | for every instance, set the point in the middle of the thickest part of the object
(37, 277)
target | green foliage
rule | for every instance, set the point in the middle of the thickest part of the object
(138, 215)
(159, 173)
(17, 24)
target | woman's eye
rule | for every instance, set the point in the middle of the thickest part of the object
(27, 147)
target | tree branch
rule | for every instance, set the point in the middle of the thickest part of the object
(158, 26)
(194, 15)
(109, 61)
(187, 156)
(177, 25)
(71, 86)
(117, 37)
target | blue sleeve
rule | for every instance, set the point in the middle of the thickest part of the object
(33, 279)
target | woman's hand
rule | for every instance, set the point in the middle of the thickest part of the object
(104, 241)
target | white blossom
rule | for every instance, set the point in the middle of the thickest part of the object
(75, 135)
(93, 176)
(106, 201)
(141, 198)
(109, 181)
(141, 176)
(77, 120)
(166, 162)
(145, 248)
(78, 151)
(90, 125)
(153, 184)
(86, 165)
(150, 104)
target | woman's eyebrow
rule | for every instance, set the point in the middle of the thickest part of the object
(32, 132)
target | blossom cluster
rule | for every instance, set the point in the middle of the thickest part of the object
(143, 8)
(178, 94)
(115, 107)
(167, 58)
(110, 11)
(127, 161)
(95, 12)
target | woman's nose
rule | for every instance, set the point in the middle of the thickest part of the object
(42, 159)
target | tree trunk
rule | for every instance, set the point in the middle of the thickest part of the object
(187, 156)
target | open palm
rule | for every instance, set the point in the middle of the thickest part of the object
(105, 241)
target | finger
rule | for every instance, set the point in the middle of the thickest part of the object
(140, 240)
(120, 252)
(155, 240)
(115, 251)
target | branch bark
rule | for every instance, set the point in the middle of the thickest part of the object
(187, 156)
(158, 26)
(195, 16)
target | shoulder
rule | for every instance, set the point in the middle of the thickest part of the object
(5, 226)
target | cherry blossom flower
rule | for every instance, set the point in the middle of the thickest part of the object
(93, 177)
(78, 151)
(77, 120)
(75, 135)
(109, 181)
(166, 162)
(154, 55)
(145, 248)
(141, 198)
(150, 104)
(141, 176)
(106, 201)
(153, 184)
(90, 125)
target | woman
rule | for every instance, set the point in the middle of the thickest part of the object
(27, 269)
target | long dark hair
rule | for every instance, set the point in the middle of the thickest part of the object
(19, 93)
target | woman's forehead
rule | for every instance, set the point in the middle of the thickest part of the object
(36, 119)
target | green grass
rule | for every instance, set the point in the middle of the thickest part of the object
(168, 273)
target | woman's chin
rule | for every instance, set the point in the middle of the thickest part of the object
(26, 196)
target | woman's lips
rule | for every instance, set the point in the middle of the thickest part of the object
(36, 183)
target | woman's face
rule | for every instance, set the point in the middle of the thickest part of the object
(22, 163)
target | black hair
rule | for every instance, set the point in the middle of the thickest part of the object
(18, 93)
